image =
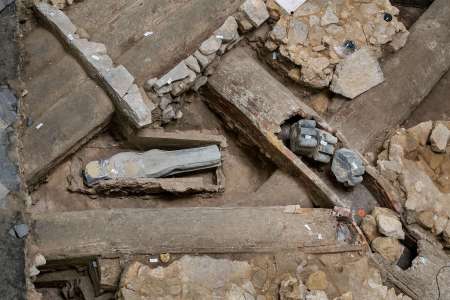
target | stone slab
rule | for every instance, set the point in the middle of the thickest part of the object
(410, 75)
(185, 230)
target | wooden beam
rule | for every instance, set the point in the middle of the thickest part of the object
(187, 230)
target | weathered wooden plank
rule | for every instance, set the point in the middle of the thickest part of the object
(248, 97)
(409, 74)
(186, 230)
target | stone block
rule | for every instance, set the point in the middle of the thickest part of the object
(256, 11)
(179, 72)
(57, 19)
(356, 74)
(439, 138)
(228, 31)
(119, 80)
(134, 107)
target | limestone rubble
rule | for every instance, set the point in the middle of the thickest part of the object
(421, 175)
(320, 34)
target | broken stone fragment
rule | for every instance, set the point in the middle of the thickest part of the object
(421, 132)
(390, 226)
(329, 17)
(389, 248)
(119, 80)
(57, 19)
(369, 227)
(425, 219)
(317, 281)
(152, 164)
(347, 167)
(179, 72)
(192, 64)
(228, 31)
(256, 11)
(297, 33)
(399, 40)
(199, 82)
(356, 74)
(316, 295)
(211, 45)
(291, 288)
(135, 108)
(439, 138)
(168, 114)
(204, 60)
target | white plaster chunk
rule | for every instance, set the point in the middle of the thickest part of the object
(179, 72)
(256, 11)
(356, 74)
(228, 31)
(290, 5)
(58, 19)
(211, 45)
(134, 107)
(120, 80)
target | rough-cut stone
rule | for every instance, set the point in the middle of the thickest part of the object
(347, 167)
(439, 138)
(297, 33)
(316, 295)
(390, 226)
(203, 60)
(211, 45)
(3, 193)
(119, 80)
(188, 278)
(109, 273)
(317, 281)
(320, 102)
(446, 234)
(421, 132)
(135, 108)
(179, 72)
(390, 248)
(58, 19)
(356, 74)
(192, 64)
(8, 107)
(425, 218)
(152, 164)
(291, 288)
(5, 3)
(228, 31)
(256, 11)
(369, 227)
(439, 224)
(329, 17)
(399, 40)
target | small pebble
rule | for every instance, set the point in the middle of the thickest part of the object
(349, 45)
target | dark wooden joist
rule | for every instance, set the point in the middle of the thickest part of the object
(114, 232)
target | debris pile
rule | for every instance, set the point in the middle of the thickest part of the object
(202, 277)
(321, 35)
(417, 162)
(383, 230)
(192, 72)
